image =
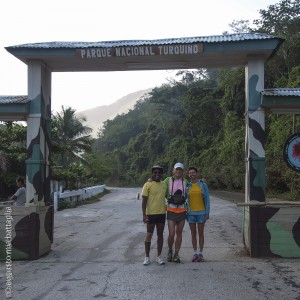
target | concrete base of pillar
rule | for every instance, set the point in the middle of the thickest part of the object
(272, 231)
(26, 232)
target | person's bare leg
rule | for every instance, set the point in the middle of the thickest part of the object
(149, 233)
(178, 241)
(193, 236)
(201, 236)
(160, 237)
(171, 227)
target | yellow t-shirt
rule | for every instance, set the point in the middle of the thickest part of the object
(196, 201)
(155, 191)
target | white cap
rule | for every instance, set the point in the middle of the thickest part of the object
(179, 166)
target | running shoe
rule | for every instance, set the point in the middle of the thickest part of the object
(195, 258)
(176, 258)
(159, 260)
(170, 256)
(146, 261)
(200, 257)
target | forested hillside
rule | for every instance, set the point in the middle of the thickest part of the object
(199, 119)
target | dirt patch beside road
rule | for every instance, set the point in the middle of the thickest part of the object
(234, 197)
(237, 197)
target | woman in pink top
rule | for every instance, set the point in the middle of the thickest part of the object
(176, 211)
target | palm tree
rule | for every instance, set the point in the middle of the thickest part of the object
(70, 138)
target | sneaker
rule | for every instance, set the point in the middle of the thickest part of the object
(195, 257)
(176, 258)
(159, 260)
(146, 261)
(200, 257)
(170, 256)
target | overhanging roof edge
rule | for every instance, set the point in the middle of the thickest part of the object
(127, 43)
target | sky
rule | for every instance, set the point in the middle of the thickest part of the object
(34, 21)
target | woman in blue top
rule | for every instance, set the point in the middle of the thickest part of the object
(198, 208)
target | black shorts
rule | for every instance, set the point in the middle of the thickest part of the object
(155, 219)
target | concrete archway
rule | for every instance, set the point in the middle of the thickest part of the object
(248, 50)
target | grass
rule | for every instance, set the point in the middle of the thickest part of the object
(65, 204)
(94, 199)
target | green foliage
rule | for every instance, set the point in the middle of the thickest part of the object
(12, 156)
(232, 84)
(99, 166)
(282, 20)
(239, 26)
(294, 78)
(71, 139)
(280, 178)
(223, 162)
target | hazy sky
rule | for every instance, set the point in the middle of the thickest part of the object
(33, 21)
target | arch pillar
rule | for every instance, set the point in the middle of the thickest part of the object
(255, 131)
(38, 135)
(33, 229)
(254, 152)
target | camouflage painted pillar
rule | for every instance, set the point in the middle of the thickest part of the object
(31, 230)
(38, 135)
(254, 151)
(255, 131)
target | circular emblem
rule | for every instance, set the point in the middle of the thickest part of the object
(291, 152)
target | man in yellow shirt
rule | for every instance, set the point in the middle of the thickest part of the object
(198, 208)
(154, 212)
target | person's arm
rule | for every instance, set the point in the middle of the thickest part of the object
(16, 195)
(144, 205)
(166, 181)
(13, 197)
(207, 201)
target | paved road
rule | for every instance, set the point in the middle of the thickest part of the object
(98, 253)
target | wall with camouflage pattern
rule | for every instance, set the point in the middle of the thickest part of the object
(273, 231)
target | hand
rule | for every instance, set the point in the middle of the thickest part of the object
(206, 217)
(145, 219)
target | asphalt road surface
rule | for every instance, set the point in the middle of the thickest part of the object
(98, 253)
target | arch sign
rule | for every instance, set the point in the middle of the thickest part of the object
(291, 152)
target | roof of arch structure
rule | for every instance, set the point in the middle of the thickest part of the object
(281, 100)
(162, 54)
(175, 53)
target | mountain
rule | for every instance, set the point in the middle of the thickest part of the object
(96, 116)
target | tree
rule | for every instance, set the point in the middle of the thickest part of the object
(70, 137)
(282, 20)
(70, 140)
(12, 155)
(3, 161)
(239, 26)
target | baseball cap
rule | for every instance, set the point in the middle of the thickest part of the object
(179, 166)
(157, 167)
